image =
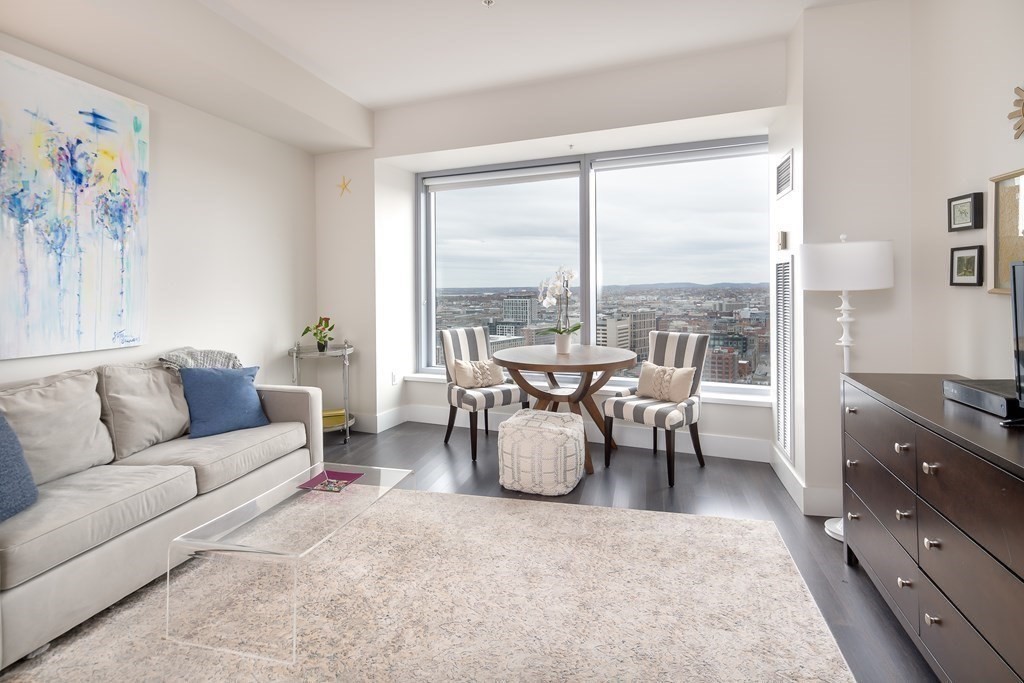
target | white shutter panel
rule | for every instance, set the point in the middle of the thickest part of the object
(783, 357)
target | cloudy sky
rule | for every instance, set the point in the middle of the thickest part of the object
(702, 222)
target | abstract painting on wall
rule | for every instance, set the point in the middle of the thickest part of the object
(74, 174)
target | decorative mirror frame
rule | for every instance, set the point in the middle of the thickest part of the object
(1006, 238)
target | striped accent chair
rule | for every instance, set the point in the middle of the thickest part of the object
(473, 343)
(668, 349)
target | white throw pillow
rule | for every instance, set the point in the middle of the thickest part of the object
(471, 374)
(665, 384)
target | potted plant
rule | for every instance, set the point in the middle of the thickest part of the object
(321, 332)
(556, 292)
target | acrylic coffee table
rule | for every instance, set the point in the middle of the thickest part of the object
(243, 588)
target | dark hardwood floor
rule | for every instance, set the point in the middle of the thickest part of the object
(873, 642)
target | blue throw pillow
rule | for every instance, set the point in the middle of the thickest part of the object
(17, 488)
(221, 400)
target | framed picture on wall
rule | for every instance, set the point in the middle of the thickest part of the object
(965, 212)
(965, 266)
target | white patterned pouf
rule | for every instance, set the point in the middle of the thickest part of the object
(541, 452)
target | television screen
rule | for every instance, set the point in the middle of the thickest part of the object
(1017, 300)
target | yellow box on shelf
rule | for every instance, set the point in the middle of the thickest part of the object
(334, 418)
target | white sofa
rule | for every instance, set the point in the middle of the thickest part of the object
(105, 515)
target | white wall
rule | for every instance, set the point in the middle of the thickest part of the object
(966, 62)
(231, 237)
(346, 277)
(856, 114)
(734, 80)
(395, 200)
(787, 215)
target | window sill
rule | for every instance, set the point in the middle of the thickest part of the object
(708, 394)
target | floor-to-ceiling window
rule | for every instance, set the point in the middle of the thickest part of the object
(673, 238)
(494, 237)
(682, 246)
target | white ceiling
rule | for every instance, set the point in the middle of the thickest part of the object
(383, 53)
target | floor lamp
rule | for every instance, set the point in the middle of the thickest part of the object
(845, 267)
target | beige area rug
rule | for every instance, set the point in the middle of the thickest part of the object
(429, 586)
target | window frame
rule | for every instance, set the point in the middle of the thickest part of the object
(589, 165)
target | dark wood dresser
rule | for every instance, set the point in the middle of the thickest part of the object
(933, 500)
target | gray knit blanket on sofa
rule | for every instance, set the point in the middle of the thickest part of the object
(188, 357)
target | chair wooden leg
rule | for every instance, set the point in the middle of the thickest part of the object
(451, 422)
(487, 423)
(608, 423)
(696, 443)
(655, 447)
(472, 433)
(670, 455)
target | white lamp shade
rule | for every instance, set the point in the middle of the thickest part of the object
(849, 266)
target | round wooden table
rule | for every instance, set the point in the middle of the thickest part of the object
(582, 360)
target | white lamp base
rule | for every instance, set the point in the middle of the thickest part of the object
(834, 528)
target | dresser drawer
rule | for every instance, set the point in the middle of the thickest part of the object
(959, 649)
(978, 497)
(876, 548)
(889, 499)
(885, 434)
(985, 591)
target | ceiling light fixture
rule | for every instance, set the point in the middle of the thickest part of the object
(487, 3)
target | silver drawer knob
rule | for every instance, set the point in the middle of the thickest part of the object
(901, 447)
(929, 619)
(929, 468)
(904, 583)
(851, 463)
(900, 514)
(852, 516)
(851, 410)
(929, 543)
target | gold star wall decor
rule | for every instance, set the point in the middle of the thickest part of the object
(343, 186)
(1017, 113)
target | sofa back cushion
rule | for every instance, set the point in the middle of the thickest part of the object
(142, 404)
(57, 420)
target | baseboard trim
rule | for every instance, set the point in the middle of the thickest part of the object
(388, 419)
(717, 445)
(820, 501)
(814, 501)
(787, 474)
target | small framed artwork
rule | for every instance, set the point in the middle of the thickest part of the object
(965, 212)
(965, 266)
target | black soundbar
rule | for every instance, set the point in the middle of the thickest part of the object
(995, 396)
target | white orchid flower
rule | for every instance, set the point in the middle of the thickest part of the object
(555, 293)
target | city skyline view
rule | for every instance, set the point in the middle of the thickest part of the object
(680, 246)
(735, 316)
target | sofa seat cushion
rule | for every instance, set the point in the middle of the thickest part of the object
(82, 510)
(222, 458)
